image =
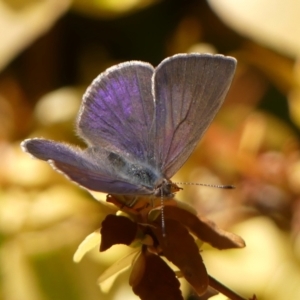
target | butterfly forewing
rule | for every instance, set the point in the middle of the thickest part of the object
(189, 90)
(117, 110)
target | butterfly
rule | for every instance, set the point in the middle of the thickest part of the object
(141, 124)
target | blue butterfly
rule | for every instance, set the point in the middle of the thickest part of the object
(141, 123)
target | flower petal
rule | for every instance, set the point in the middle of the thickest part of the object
(90, 242)
(118, 266)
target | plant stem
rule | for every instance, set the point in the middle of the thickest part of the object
(224, 289)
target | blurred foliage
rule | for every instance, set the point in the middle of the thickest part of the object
(51, 50)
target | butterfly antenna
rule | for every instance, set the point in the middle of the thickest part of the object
(163, 224)
(219, 186)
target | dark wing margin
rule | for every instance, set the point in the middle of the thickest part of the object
(80, 167)
(117, 110)
(188, 90)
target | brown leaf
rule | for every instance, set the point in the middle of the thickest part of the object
(204, 229)
(117, 230)
(151, 279)
(180, 248)
(210, 292)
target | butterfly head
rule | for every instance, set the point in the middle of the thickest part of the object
(166, 188)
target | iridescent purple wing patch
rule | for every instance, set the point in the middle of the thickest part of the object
(141, 123)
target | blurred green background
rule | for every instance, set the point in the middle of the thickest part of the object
(50, 51)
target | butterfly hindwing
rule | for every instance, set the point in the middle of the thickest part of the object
(91, 170)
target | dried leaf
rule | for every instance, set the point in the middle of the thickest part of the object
(180, 248)
(117, 230)
(153, 279)
(204, 229)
